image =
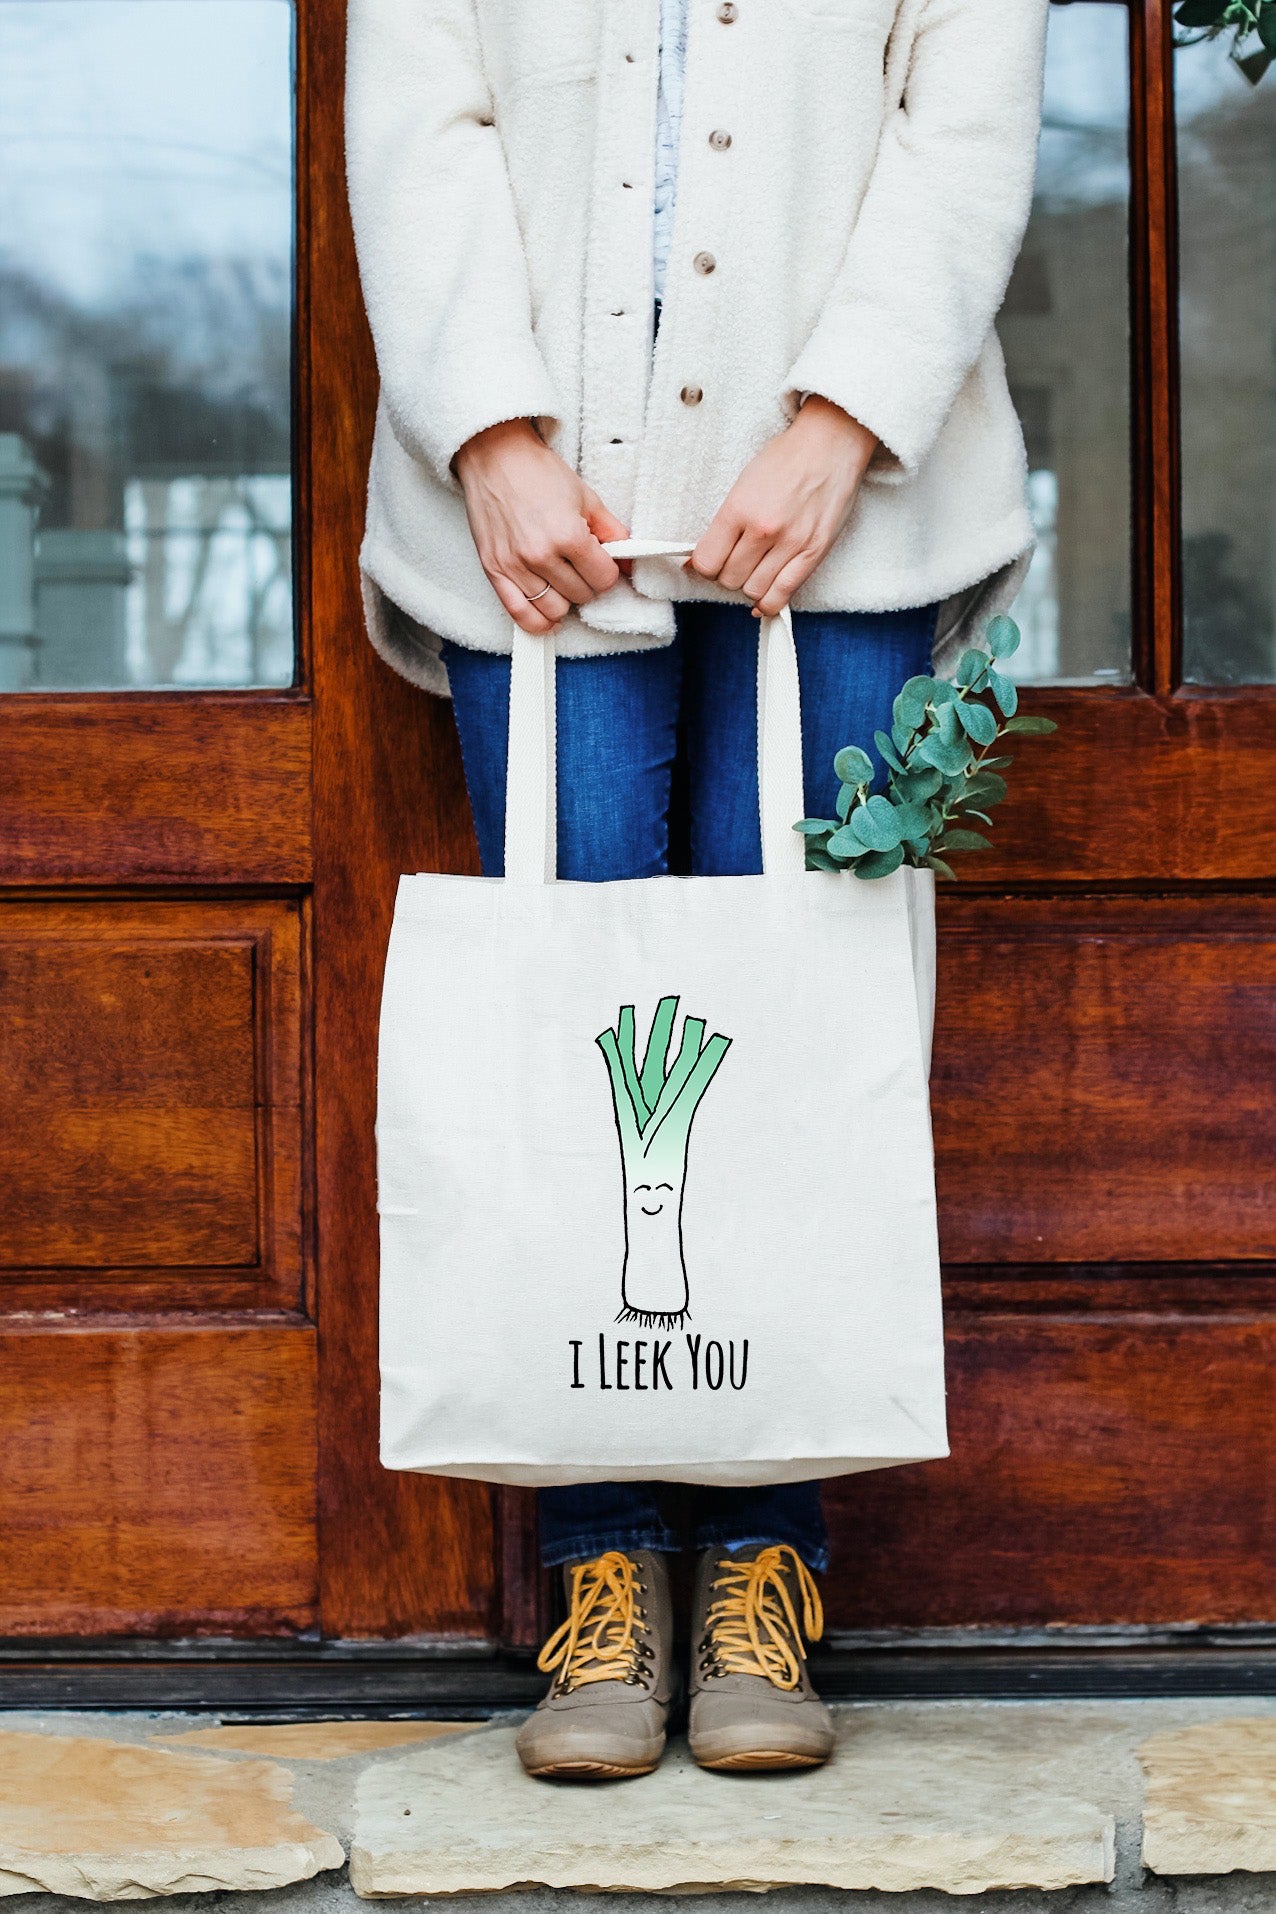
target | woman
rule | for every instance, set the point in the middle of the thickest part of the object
(722, 269)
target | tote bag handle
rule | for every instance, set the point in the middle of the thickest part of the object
(531, 810)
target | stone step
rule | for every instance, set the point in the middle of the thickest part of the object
(1039, 1804)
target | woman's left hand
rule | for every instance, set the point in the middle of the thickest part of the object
(787, 507)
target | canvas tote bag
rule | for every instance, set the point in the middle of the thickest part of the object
(656, 1183)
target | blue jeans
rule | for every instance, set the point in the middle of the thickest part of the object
(622, 721)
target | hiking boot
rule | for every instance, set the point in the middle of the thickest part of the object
(752, 1703)
(612, 1663)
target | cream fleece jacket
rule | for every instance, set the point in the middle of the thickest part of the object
(861, 226)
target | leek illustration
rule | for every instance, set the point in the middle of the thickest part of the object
(655, 1106)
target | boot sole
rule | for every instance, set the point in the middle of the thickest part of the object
(590, 1770)
(761, 1760)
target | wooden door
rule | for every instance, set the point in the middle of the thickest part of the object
(197, 885)
(197, 854)
(1106, 1036)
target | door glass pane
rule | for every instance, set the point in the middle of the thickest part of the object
(1065, 330)
(1227, 328)
(145, 343)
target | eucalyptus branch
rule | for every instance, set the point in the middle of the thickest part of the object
(940, 771)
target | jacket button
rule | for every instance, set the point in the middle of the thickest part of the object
(727, 12)
(719, 141)
(704, 262)
(691, 395)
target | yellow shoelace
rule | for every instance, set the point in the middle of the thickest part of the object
(601, 1639)
(752, 1628)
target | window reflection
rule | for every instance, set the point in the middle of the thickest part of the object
(1227, 328)
(145, 339)
(1065, 330)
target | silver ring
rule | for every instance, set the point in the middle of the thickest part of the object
(531, 599)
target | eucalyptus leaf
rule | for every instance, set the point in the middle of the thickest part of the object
(1029, 725)
(977, 721)
(941, 692)
(815, 826)
(962, 841)
(986, 787)
(887, 751)
(1003, 636)
(818, 860)
(846, 796)
(948, 758)
(845, 843)
(853, 766)
(938, 865)
(916, 786)
(880, 863)
(1003, 690)
(972, 667)
(875, 824)
(912, 700)
(912, 820)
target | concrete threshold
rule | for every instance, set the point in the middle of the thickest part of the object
(994, 1805)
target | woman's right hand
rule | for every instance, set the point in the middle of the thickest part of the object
(535, 523)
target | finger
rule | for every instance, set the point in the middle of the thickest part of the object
(788, 580)
(531, 571)
(530, 617)
(716, 544)
(602, 523)
(597, 567)
(748, 553)
(768, 569)
(605, 525)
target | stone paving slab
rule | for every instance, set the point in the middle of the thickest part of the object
(313, 1740)
(1210, 1805)
(109, 1822)
(913, 1798)
(1079, 1751)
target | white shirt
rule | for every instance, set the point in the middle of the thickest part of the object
(673, 60)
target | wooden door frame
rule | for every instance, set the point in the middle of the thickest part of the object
(390, 798)
(400, 1555)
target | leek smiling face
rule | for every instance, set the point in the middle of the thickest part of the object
(654, 1108)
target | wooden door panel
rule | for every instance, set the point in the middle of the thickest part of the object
(157, 1479)
(1115, 1470)
(150, 1133)
(161, 787)
(1102, 1081)
(1137, 789)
